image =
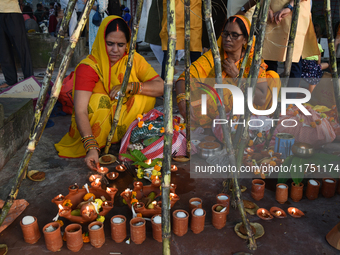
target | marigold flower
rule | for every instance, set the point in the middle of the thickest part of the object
(235, 127)
(312, 124)
(162, 130)
(290, 105)
(157, 167)
(86, 238)
(134, 201)
(133, 194)
(234, 117)
(331, 119)
(61, 223)
(140, 124)
(318, 122)
(150, 126)
(139, 215)
(100, 218)
(176, 128)
(296, 113)
(323, 115)
(88, 196)
(139, 116)
(270, 151)
(272, 163)
(182, 126)
(250, 143)
(259, 134)
(67, 203)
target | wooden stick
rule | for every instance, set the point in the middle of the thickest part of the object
(221, 109)
(132, 51)
(334, 68)
(288, 64)
(168, 84)
(187, 70)
(47, 112)
(51, 63)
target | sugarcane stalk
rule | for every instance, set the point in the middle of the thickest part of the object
(288, 64)
(239, 129)
(334, 68)
(167, 151)
(187, 70)
(47, 111)
(51, 63)
(132, 51)
(222, 113)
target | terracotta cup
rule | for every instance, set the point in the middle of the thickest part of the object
(97, 236)
(328, 188)
(180, 225)
(219, 219)
(224, 202)
(74, 237)
(312, 191)
(197, 222)
(281, 194)
(296, 192)
(193, 206)
(53, 240)
(31, 231)
(138, 233)
(156, 229)
(118, 230)
(257, 189)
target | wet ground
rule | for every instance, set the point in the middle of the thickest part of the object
(304, 235)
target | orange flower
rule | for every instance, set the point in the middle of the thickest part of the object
(296, 113)
(290, 105)
(312, 124)
(270, 151)
(176, 128)
(259, 134)
(236, 127)
(318, 122)
(272, 163)
(67, 203)
(139, 215)
(140, 124)
(263, 176)
(157, 167)
(133, 194)
(86, 238)
(331, 119)
(134, 201)
(162, 130)
(139, 116)
(250, 143)
(182, 126)
(234, 117)
(88, 196)
(61, 223)
(150, 126)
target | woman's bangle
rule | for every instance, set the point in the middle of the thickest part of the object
(140, 88)
(180, 97)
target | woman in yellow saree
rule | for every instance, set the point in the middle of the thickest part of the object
(98, 79)
(232, 47)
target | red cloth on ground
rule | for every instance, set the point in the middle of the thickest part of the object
(86, 78)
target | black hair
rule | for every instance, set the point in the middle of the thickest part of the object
(39, 5)
(240, 24)
(28, 10)
(52, 4)
(118, 25)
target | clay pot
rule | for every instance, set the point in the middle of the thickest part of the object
(224, 202)
(338, 188)
(219, 219)
(97, 236)
(193, 206)
(138, 233)
(156, 229)
(296, 192)
(118, 230)
(180, 225)
(197, 222)
(281, 194)
(328, 188)
(73, 188)
(74, 238)
(257, 189)
(312, 190)
(53, 240)
(31, 231)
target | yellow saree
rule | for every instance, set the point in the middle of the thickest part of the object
(101, 109)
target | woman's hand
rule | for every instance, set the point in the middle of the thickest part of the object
(270, 18)
(183, 111)
(279, 15)
(92, 159)
(116, 89)
(230, 68)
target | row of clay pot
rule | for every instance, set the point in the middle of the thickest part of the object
(327, 190)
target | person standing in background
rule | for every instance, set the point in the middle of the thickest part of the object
(127, 16)
(39, 13)
(114, 7)
(12, 31)
(93, 29)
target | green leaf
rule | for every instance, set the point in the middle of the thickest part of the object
(154, 162)
(138, 155)
(127, 156)
(140, 163)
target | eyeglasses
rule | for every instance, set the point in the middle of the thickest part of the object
(233, 35)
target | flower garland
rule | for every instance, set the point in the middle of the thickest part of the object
(141, 124)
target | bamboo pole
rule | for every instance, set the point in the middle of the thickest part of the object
(132, 51)
(168, 84)
(288, 64)
(334, 68)
(47, 112)
(222, 113)
(187, 70)
(51, 63)
(239, 129)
